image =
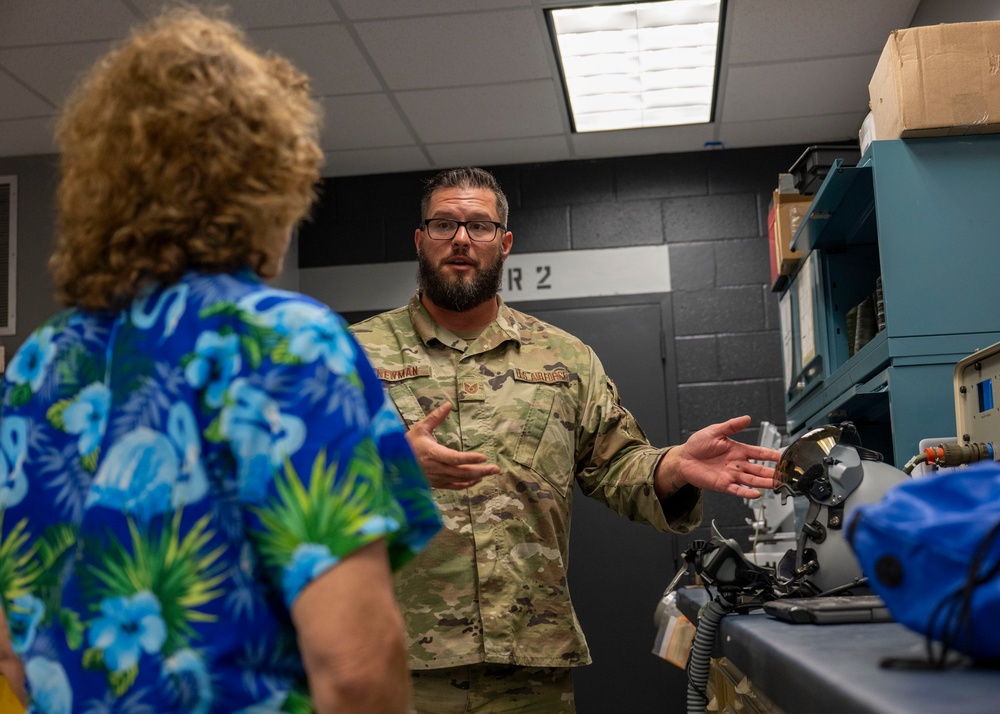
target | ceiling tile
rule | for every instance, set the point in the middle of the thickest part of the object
(825, 129)
(367, 9)
(481, 113)
(494, 153)
(18, 102)
(362, 121)
(51, 71)
(260, 13)
(24, 137)
(53, 21)
(797, 72)
(792, 29)
(327, 53)
(375, 161)
(789, 90)
(935, 12)
(656, 140)
(457, 50)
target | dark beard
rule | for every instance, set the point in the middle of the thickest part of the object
(460, 295)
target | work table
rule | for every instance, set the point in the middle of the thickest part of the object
(835, 669)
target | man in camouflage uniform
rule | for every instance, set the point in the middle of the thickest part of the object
(505, 412)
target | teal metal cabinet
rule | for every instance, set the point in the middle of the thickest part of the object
(924, 215)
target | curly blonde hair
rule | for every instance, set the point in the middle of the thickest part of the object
(182, 149)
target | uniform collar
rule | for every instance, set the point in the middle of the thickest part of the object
(503, 328)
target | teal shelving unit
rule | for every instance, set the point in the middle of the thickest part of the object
(924, 215)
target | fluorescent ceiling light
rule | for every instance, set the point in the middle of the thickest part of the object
(639, 64)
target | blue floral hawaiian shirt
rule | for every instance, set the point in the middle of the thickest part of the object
(172, 476)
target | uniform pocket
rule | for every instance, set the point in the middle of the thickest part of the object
(406, 403)
(546, 443)
(411, 412)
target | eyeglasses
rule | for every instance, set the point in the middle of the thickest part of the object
(447, 228)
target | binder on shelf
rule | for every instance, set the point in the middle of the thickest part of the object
(784, 217)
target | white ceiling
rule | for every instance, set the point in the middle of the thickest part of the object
(412, 85)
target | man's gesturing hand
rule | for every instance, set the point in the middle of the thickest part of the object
(444, 467)
(712, 461)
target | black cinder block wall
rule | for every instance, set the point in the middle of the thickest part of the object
(711, 209)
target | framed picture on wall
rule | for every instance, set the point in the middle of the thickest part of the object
(8, 253)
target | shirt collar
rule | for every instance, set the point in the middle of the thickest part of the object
(503, 328)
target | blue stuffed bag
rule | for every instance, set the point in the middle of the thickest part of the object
(931, 549)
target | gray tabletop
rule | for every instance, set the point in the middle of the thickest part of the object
(835, 669)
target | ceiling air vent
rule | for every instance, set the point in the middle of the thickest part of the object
(8, 253)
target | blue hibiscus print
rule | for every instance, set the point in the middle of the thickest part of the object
(216, 362)
(322, 338)
(137, 475)
(23, 616)
(118, 485)
(314, 333)
(308, 561)
(186, 669)
(386, 420)
(87, 417)
(379, 525)
(147, 472)
(13, 450)
(261, 436)
(50, 692)
(171, 303)
(190, 483)
(272, 704)
(30, 364)
(127, 627)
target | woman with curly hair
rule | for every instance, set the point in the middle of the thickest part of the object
(203, 489)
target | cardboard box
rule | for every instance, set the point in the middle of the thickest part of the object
(938, 80)
(783, 219)
(866, 134)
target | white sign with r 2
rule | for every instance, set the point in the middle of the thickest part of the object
(529, 276)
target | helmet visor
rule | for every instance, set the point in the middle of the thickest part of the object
(804, 460)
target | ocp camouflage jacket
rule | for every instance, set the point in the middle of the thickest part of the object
(536, 401)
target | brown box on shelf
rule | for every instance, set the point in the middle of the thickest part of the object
(938, 80)
(783, 219)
